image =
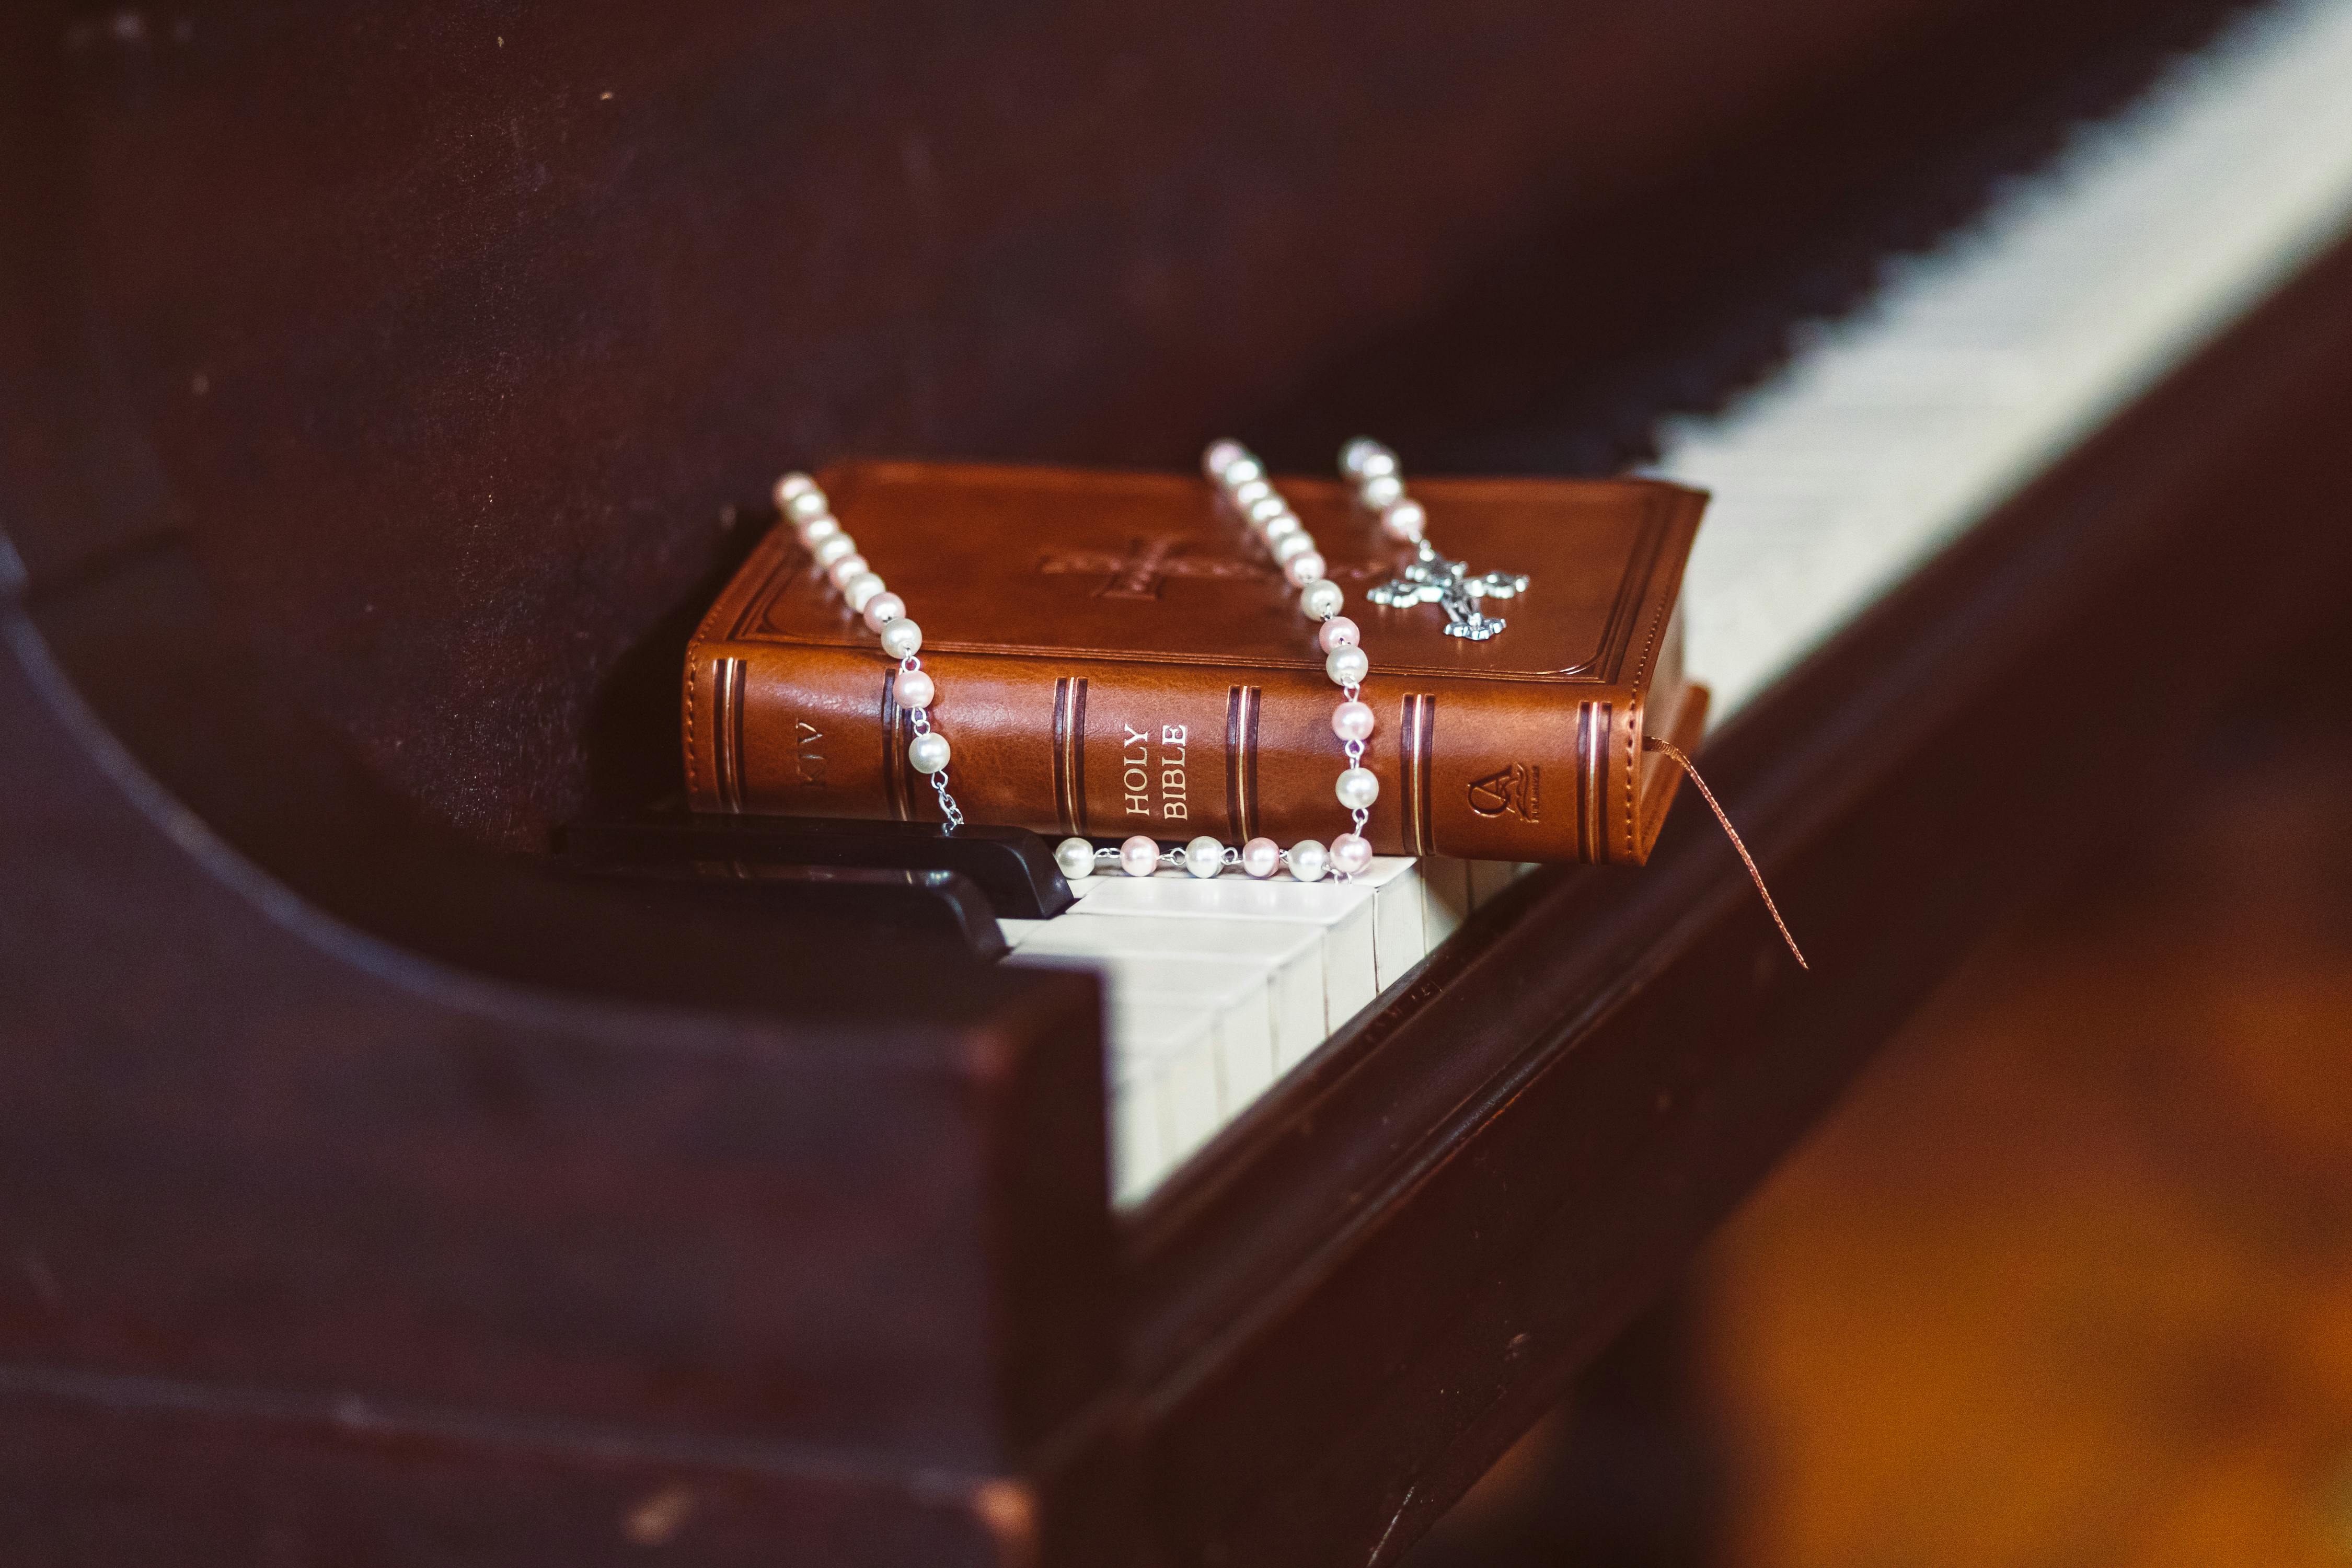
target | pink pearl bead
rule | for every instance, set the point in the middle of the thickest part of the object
(1139, 857)
(1352, 721)
(1337, 632)
(883, 608)
(1351, 852)
(1260, 857)
(1221, 456)
(913, 688)
(1304, 567)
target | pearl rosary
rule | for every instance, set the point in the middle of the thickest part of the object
(804, 506)
(1241, 481)
(1380, 489)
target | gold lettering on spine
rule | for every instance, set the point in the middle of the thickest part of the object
(805, 754)
(1135, 763)
(1174, 801)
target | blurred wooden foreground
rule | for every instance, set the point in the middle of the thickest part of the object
(2068, 1278)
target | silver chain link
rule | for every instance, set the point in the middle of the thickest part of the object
(923, 726)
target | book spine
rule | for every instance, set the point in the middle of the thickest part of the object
(1475, 769)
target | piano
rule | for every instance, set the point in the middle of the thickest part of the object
(388, 392)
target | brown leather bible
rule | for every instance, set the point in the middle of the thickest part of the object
(1114, 655)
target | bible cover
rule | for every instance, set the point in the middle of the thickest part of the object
(1115, 653)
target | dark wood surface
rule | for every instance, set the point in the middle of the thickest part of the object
(456, 341)
(379, 399)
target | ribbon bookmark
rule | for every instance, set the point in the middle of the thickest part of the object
(1652, 743)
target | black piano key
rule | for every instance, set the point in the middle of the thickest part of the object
(1013, 866)
(922, 903)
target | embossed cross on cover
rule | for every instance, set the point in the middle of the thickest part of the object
(1114, 655)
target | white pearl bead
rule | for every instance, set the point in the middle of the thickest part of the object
(928, 753)
(1305, 567)
(792, 485)
(1404, 522)
(901, 637)
(1218, 459)
(1248, 493)
(1346, 665)
(1075, 856)
(1351, 852)
(1357, 788)
(1204, 858)
(913, 688)
(1242, 470)
(883, 608)
(1363, 457)
(1289, 547)
(1352, 721)
(807, 505)
(842, 570)
(1287, 526)
(1321, 599)
(1265, 509)
(1139, 857)
(1381, 492)
(832, 548)
(1308, 860)
(817, 529)
(1337, 632)
(1260, 857)
(860, 591)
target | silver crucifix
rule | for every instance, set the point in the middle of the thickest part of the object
(1428, 580)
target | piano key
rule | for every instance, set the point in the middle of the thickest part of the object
(1344, 911)
(1978, 364)
(1399, 920)
(945, 904)
(1013, 866)
(1158, 1111)
(1291, 951)
(1237, 992)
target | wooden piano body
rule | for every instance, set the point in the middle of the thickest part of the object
(385, 393)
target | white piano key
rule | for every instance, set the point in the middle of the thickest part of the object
(1184, 1095)
(1292, 952)
(1238, 993)
(1979, 364)
(1164, 1103)
(1350, 971)
(1400, 925)
(1344, 911)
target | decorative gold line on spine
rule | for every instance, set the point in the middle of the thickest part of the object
(1078, 755)
(1253, 704)
(1593, 731)
(727, 732)
(1241, 761)
(1065, 802)
(894, 750)
(1233, 763)
(1416, 745)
